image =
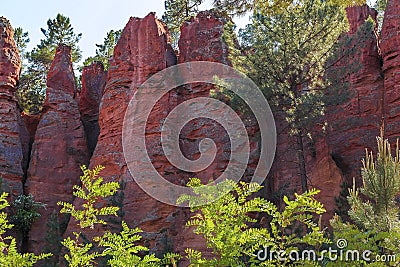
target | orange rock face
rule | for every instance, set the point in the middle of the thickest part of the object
(59, 137)
(355, 123)
(390, 47)
(141, 52)
(12, 131)
(93, 83)
(59, 147)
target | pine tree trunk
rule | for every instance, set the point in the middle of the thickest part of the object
(302, 161)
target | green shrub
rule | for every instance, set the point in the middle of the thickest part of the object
(373, 210)
(227, 224)
(120, 248)
(9, 256)
(25, 211)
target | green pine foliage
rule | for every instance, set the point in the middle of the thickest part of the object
(287, 50)
(176, 12)
(9, 256)
(381, 185)
(342, 205)
(105, 50)
(235, 7)
(287, 54)
(225, 218)
(373, 208)
(380, 6)
(21, 39)
(242, 7)
(32, 84)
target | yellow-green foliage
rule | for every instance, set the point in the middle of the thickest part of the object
(9, 256)
(92, 190)
(227, 224)
(79, 252)
(122, 249)
(119, 247)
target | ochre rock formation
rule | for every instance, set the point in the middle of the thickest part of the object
(355, 124)
(59, 134)
(335, 157)
(59, 148)
(12, 131)
(93, 83)
(142, 51)
(390, 47)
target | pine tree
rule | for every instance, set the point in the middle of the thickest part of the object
(241, 7)
(21, 39)
(176, 12)
(287, 51)
(381, 185)
(105, 51)
(32, 84)
(373, 208)
(380, 6)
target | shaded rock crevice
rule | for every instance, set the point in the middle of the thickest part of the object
(93, 84)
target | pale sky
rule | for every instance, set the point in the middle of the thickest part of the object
(92, 18)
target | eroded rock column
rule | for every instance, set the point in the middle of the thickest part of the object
(59, 148)
(12, 158)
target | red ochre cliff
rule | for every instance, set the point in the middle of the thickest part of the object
(13, 134)
(59, 148)
(73, 125)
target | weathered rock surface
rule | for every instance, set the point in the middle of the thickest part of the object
(31, 122)
(59, 148)
(356, 123)
(58, 135)
(390, 47)
(142, 51)
(201, 40)
(353, 125)
(93, 83)
(12, 158)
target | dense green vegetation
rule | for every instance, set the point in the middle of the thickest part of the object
(239, 226)
(105, 50)
(234, 235)
(36, 63)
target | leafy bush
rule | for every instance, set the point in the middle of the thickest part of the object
(226, 224)
(9, 256)
(119, 247)
(25, 211)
